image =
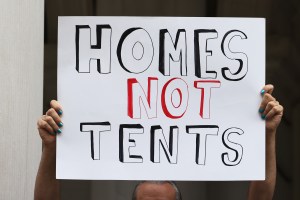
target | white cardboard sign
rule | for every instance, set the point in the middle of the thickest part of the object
(161, 98)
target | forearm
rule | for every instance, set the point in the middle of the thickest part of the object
(46, 185)
(265, 189)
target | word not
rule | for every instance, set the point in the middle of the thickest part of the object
(158, 141)
(135, 51)
(137, 97)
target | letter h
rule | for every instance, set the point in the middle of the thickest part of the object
(85, 51)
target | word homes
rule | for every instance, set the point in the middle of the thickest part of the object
(135, 51)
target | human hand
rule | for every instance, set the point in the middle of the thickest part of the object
(50, 124)
(270, 109)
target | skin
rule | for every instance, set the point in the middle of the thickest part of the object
(273, 112)
(150, 191)
(47, 187)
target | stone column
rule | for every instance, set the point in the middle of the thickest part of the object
(21, 94)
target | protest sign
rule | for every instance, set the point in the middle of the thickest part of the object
(161, 98)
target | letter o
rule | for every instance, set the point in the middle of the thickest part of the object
(127, 47)
(173, 86)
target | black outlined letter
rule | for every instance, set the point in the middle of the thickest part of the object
(168, 50)
(85, 51)
(201, 37)
(202, 131)
(235, 147)
(95, 128)
(241, 57)
(126, 142)
(139, 43)
(158, 140)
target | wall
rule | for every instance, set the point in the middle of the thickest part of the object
(21, 82)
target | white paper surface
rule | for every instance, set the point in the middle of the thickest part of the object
(109, 113)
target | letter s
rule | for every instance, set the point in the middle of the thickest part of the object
(235, 147)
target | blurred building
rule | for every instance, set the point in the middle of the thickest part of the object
(283, 51)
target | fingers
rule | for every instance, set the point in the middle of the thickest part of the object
(275, 110)
(269, 107)
(266, 104)
(267, 89)
(56, 106)
(52, 113)
(42, 124)
(50, 121)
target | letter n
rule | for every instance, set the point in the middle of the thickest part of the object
(137, 97)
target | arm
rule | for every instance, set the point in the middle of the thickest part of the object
(46, 185)
(272, 112)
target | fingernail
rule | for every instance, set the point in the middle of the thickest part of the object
(60, 112)
(58, 130)
(262, 92)
(263, 116)
(261, 110)
(60, 124)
